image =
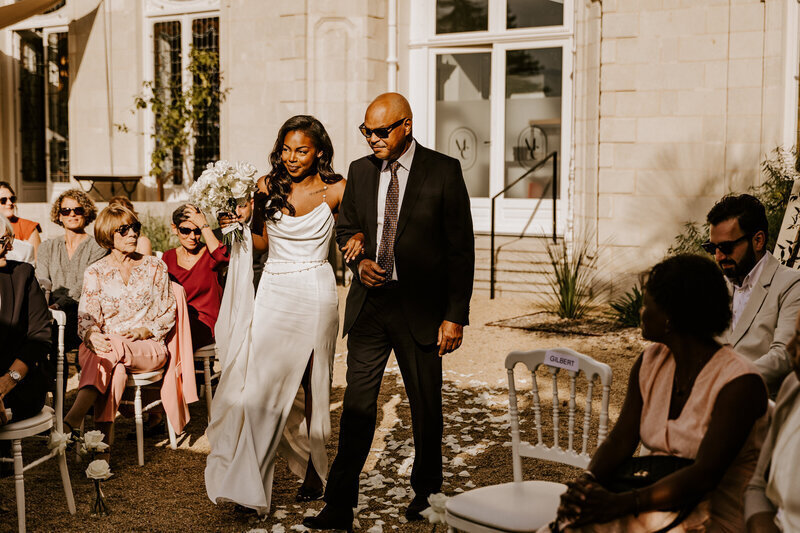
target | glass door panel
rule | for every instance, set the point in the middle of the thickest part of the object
(32, 107)
(57, 108)
(463, 115)
(533, 81)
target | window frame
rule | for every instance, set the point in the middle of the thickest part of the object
(205, 10)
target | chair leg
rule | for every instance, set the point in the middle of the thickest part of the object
(173, 441)
(62, 465)
(137, 409)
(207, 376)
(19, 484)
(79, 445)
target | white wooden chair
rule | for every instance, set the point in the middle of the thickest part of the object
(137, 382)
(207, 354)
(46, 420)
(523, 506)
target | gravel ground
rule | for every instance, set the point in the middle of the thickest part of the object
(168, 493)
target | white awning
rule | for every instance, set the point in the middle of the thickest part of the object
(21, 10)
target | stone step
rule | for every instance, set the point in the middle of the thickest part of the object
(524, 244)
(537, 291)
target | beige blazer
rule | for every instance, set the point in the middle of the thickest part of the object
(767, 322)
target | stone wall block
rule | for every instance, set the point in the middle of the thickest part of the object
(703, 47)
(747, 16)
(615, 180)
(618, 130)
(620, 25)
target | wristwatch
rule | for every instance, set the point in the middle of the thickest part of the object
(14, 375)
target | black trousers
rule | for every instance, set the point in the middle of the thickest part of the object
(380, 328)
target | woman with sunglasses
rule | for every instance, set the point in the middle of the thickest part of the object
(198, 268)
(63, 260)
(24, 229)
(144, 246)
(126, 310)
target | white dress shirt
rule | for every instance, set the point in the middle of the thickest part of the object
(383, 188)
(741, 294)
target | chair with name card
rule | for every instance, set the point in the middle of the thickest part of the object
(525, 506)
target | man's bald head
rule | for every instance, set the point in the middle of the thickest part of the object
(390, 104)
(389, 110)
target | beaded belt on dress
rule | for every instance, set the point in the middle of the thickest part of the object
(310, 265)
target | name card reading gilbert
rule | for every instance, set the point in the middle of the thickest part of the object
(561, 360)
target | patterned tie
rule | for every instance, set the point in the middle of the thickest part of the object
(386, 251)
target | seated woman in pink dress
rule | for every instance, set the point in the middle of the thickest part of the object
(197, 267)
(126, 310)
(687, 397)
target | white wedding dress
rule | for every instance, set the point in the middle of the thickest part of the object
(264, 346)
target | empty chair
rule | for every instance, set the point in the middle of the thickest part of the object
(527, 505)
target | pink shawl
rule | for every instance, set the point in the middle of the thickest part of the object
(179, 389)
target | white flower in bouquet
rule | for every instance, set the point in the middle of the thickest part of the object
(220, 188)
(98, 469)
(93, 440)
(436, 512)
(57, 440)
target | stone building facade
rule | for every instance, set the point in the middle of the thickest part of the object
(655, 108)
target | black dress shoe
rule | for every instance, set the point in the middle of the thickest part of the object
(331, 517)
(415, 508)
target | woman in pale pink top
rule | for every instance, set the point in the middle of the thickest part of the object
(126, 310)
(689, 397)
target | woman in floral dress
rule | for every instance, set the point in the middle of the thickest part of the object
(126, 310)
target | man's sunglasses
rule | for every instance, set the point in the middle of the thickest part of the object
(6, 199)
(65, 211)
(123, 229)
(381, 133)
(725, 247)
(188, 231)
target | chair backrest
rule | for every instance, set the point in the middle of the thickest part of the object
(556, 359)
(61, 320)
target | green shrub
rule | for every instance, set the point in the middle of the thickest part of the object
(574, 280)
(158, 231)
(626, 309)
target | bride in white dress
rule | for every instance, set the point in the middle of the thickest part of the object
(276, 350)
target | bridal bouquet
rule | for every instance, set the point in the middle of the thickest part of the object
(220, 188)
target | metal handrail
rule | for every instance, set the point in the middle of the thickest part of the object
(554, 191)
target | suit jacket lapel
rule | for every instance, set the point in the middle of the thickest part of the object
(756, 300)
(416, 179)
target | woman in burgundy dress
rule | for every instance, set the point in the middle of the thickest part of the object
(197, 267)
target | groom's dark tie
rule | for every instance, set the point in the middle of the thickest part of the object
(386, 250)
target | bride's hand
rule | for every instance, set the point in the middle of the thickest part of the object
(226, 219)
(354, 247)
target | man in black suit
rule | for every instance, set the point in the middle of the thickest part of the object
(410, 293)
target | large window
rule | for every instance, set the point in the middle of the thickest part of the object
(498, 80)
(173, 42)
(43, 106)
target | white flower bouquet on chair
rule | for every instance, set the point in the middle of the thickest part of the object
(220, 188)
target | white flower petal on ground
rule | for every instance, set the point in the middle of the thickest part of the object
(375, 529)
(458, 461)
(463, 473)
(310, 512)
(278, 528)
(259, 530)
(280, 514)
(299, 527)
(469, 485)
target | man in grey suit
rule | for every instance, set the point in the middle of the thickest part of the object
(766, 294)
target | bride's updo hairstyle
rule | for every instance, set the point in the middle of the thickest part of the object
(279, 182)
